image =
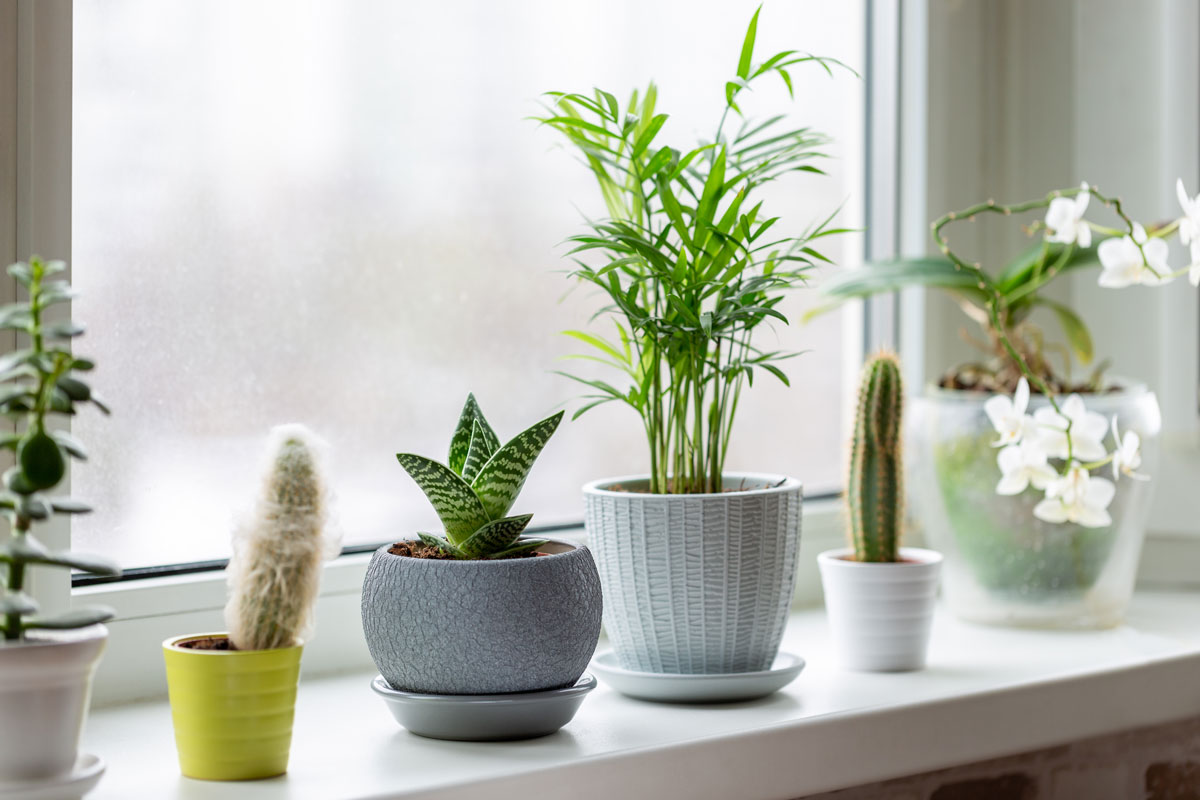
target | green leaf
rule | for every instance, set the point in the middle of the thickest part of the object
(23, 550)
(482, 448)
(21, 272)
(519, 548)
(18, 603)
(65, 505)
(647, 136)
(501, 479)
(441, 544)
(63, 330)
(93, 565)
(78, 618)
(495, 536)
(747, 54)
(457, 505)
(460, 443)
(1074, 327)
(891, 276)
(75, 389)
(69, 443)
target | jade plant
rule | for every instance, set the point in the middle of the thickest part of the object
(38, 382)
(474, 491)
(875, 486)
(275, 571)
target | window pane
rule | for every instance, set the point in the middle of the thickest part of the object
(335, 213)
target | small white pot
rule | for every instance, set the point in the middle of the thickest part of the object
(880, 614)
(45, 685)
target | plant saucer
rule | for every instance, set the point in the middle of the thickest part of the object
(666, 687)
(75, 784)
(485, 717)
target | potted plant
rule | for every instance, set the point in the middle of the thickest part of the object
(879, 595)
(233, 694)
(477, 632)
(1047, 539)
(46, 662)
(697, 562)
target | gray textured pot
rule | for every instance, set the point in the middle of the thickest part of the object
(696, 584)
(482, 627)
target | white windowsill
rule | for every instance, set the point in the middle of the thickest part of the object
(987, 692)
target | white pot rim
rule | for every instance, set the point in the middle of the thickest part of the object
(917, 557)
(173, 643)
(47, 637)
(1125, 389)
(775, 484)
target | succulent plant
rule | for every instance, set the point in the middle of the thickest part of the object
(275, 571)
(875, 487)
(474, 491)
(36, 382)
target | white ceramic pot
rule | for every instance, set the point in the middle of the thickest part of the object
(45, 686)
(697, 584)
(880, 614)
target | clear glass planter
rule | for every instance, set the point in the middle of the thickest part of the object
(1003, 565)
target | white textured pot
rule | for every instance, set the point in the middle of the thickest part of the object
(699, 583)
(880, 614)
(45, 685)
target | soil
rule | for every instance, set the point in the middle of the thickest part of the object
(422, 550)
(897, 561)
(619, 487)
(970, 379)
(209, 643)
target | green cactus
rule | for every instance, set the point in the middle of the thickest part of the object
(875, 486)
(473, 492)
(275, 571)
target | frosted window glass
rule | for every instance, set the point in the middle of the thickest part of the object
(335, 213)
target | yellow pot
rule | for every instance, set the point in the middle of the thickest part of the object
(232, 709)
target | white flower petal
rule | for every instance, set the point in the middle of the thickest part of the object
(1093, 517)
(1009, 459)
(1051, 511)
(1021, 398)
(1098, 493)
(998, 408)
(1084, 235)
(1139, 233)
(1041, 476)
(1013, 483)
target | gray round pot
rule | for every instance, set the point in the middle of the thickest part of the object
(482, 627)
(700, 583)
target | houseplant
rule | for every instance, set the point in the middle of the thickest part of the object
(1064, 554)
(46, 662)
(879, 596)
(697, 562)
(477, 610)
(233, 694)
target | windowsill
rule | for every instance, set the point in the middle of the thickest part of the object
(988, 692)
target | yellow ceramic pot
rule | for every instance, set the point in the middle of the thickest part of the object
(232, 709)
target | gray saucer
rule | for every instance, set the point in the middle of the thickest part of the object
(674, 688)
(485, 717)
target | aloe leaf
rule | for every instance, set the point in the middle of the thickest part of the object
(440, 543)
(499, 482)
(78, 618)
(460, 444)
(519, 548)
(456, 504)
(495, 536)
(482, 448)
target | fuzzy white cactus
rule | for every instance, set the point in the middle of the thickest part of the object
(275, 571)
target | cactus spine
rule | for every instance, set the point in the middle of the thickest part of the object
(275, 571)
(875, 487)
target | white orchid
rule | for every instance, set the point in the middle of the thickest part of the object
(1124, 264)
(1022, 465)
(1008, 415)
(1127, 457)
(1077, 497)
(1064, 219)
(1087, 431)
(1189, 223)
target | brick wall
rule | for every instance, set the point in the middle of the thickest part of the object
(1161, 763)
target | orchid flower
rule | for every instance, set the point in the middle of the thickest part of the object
(1077, 497)
(1088, 430)
(1022, 465)
(1064, 219)
(1008, 415)
(1124, 264)
(1127, 457)
(1189, 230)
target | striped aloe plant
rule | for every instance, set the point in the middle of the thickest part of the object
(474, 491)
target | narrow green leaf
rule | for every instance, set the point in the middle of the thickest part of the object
(647, 136)
(457, 506)
(94, 565)
(499, 482)
(747, 54)
(65, 505)
(495, 536)
(18, 603)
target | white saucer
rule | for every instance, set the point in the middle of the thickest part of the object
(675, 688)
(87, 773)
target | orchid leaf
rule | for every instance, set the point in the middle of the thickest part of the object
(891, 276)
(1074, 327)
(456, 504)
(499, 482)
(495, 536)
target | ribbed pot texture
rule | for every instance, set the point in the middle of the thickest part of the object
(879, 613)
(232, 709)
(482, 627)
(45, 684)
(696, 584)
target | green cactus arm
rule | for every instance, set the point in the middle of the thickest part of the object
(457, 505)
(495, 536)
(482, 448)
(519, 548)
(460, 443)
(501, 479)
(441, 544)
(874, 487)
